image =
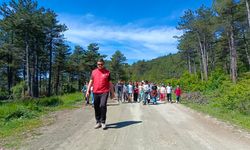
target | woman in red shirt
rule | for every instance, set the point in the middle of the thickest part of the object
(178, 93)
(136, 91)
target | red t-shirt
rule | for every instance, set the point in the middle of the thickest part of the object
(101, 78)
(178, 92)
(136, 90)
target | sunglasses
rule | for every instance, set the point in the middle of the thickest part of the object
(99, 64)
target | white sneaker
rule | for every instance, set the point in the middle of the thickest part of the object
(98, 125)
(104, 126)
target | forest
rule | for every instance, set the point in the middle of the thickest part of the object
(214, 39)
(36, 60)
(41, 72)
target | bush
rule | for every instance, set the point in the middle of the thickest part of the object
(49, 102)
(219, 90)
(17, 90)
(244, 104)
(19, 113)
(235, 96)
(34, 107)
(191, 83)
(3, 94)
(195, 97)
(215, 80)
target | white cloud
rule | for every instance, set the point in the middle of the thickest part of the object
(135, 42)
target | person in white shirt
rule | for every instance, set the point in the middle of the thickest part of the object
(141, 92)
(163, 92)
(146, 90)
(125, 93)
(169, 92)
(130, 92)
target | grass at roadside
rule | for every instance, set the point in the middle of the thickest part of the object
(219, 97)
(18, 117)
(215, 110)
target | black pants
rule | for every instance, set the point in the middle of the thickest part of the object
(86, 99)
(135, 97)
(169, 96)
(119, 92)
(100, 105)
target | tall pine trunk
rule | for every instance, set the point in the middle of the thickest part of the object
(32, 75)
(10, 66)
(189, 63)
(233, 56)
(248, 13)
(79, 81)
(40, 82)
(213, 55)
(50, 68)
(35, 84)
(203, 58)
(57, 80)
(27, 53)
(246, 50)
(10, 72)
(200, 61)
(194, 66)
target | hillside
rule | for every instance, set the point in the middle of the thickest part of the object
(161, 68)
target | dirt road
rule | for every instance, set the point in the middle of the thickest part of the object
(133, 126)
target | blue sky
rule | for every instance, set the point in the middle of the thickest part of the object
(140, 29)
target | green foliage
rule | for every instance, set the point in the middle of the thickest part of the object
(235, 96)
(49, 102)
(191, 82)
(157, 70)
(195, 97)
(117, 66)
(216, 80)
(18, 116)
(220, 97)
(70, 99)
(16, 110)
(214, 109)
(3, 94)
(20, 113)
(18, 90)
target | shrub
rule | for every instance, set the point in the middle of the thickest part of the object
(235, 96)
(195, 97)
(191, 82)
(34, 107)
(17, 90)
(215, 80)
(3, 94)
(49, 102)
(19, 113)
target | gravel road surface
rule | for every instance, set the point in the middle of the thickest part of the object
(133, 126)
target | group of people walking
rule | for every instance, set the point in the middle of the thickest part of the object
(146, 92)
(100, 87)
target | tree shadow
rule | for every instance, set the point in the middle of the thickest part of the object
(122, 124)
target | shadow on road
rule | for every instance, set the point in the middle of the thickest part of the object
(122, 124)
(113, 104)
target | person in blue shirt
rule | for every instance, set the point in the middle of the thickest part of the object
(84, 90)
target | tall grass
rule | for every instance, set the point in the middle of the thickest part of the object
(21, 115)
